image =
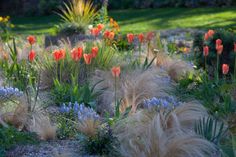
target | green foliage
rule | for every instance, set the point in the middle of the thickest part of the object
(78, 13)
(68, 29)
(70, 92)
(18, 73)
(10, 137)
(211, 129)
(215, 97)
(5, 28)
(66, 127)
(104, 143)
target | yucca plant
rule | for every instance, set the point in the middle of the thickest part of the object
(211, 129)
(78, 12)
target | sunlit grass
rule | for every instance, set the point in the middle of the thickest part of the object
(144, 20)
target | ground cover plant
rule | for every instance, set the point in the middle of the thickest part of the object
(119, 89)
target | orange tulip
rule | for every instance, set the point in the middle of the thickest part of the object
(218, 42)
(206, 36)
(116, 71)
(94, 51)
(100, 26)
(130, 37)
(211, 33)
(32, 55)
(59, 54)
(234, 47)
(219, 49)
(31, 39)
(88, 58)
(77, 53)
(95, 31)
(111, 35)
(141, 38)
(206, 51)
(225, 69)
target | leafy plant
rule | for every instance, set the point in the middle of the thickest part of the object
(79, 13)
(104, 143)
(211, 129)
(9, 137)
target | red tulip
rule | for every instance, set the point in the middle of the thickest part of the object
(59, 54)
(31, 39)
(150, 36)
(206, 36)
(76, 53)
(234, 47)
(32, 55)
(218, 42)
(225, 69)
(115, 71)
(88, 58)
(219, 49)
(109, 35)
(211, 33)
(206, 51)
(100, 26)
(94, 51)
(130, 37)
(95, 31)
(141, 38)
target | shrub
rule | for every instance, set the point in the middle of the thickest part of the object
(10, 137)
(78, 13)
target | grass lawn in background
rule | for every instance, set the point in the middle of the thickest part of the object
(143, 20)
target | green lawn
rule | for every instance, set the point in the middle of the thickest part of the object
(144, 20)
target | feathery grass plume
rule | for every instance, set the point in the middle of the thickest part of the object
(175, 68)
(39, 122)
(163, 134)
(134, 86)
(89, 127)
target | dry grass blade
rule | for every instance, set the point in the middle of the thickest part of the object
(89, 127)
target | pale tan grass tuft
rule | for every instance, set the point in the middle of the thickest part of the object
(89, 127)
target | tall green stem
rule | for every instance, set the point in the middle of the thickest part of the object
(140, 48)
(235, 68)
(217, 68)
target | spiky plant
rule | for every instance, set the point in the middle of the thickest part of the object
(80, 12)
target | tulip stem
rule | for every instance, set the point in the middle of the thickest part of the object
(115, 92)
(140, 48)
(217, 69)
(235, 68)
(205, 64)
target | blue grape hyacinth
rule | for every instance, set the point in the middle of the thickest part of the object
(9, 93)
(168, 102)
(81, 112)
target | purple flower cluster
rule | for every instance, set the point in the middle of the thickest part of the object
(168, 102)
(80, 111)
(9, 93)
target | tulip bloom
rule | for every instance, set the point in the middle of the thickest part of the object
(100, 26)
(141, 38)
(234, 47)
(130, 37)
(218, 42)
(219, 49)
(115, 71)
(225, 69)
(88, 58)
(59, 55)
(32, 55)
(94, 51)
(109, 35)
(77, 53)
(150, 36)
(206, 51)
(211, 33)
(31, 39)
(95, 32)
(206, 36)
